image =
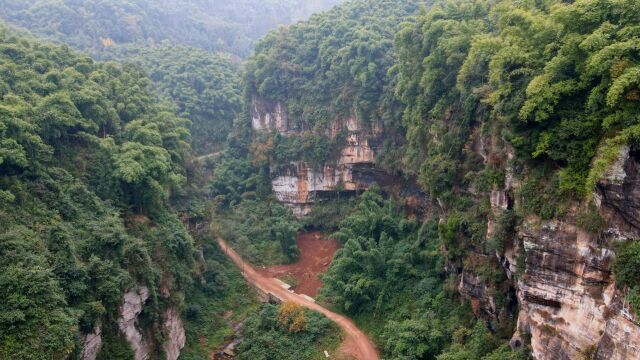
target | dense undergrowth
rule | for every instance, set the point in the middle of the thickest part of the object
(288, 332)
(390, 277)
(87, 159)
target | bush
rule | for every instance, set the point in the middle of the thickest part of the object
(279, 332)
(503, 231)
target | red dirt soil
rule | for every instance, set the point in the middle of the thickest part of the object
(316, 253)
(356, 344)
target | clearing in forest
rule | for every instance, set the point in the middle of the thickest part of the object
(316, 253)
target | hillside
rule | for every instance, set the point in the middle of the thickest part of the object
(517, 123)
(213, 25)
(476, 160)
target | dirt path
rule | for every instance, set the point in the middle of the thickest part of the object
(316, 253)
(208, 156)
(356, 344)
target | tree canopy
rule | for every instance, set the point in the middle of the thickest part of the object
(213, 25)
(82, 143)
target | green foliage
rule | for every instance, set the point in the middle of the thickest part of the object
(205, 87)
(237, 178)
(336, 65)
(263, 232)
(471, 345)
(33, 300)
(220, 299)
(314, 149)
(627, 264)
(430, 54)
(389, 275)
(627, 270)
(540, 194)
(326, 215)
(114, 347)
(560, 78)
(265, 338)
(504, 230)
(85, 148)
(101, 26)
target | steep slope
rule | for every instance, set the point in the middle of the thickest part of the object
(94, 262)
(215, 25)
(519, 122)
(320, 98)
(533, 110)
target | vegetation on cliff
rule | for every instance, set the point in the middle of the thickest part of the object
(472, 97)
(334, 66)
(390, 277)
(82, 143)
(555, 81)
(90, 163)
(552, 85)
(483, 93)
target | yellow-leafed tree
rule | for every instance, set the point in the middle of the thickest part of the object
(291, 316)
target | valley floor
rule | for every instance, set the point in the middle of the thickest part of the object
(316, 252)
(356, 343)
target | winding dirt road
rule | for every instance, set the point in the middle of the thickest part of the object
(356, 344)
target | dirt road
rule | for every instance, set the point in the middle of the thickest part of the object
(356, 344)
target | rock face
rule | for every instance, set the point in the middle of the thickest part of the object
(174, 333)
(298, 184)
(562, 276)
(565, 290)
(269, 116)
(131, 307)
(568, 297)
(91, 344)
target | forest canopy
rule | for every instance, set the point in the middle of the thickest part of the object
(87, 159)
(214, 25)
(335, 64)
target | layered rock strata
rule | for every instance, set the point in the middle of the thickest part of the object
(300, 185)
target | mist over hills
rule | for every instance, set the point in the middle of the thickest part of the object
(214, 25)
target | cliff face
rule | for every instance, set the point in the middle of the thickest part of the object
(91, 344)
(569, 302)
(175, 337)
(133, 303)
(559, 289)
(569, 305)
(131, 307)
(298, 184)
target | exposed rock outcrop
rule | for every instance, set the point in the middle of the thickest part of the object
(269, 116)
(565, 290)
(131, 307)
(91, 344)
(174, 333)
(568, 297)
(617, 196)
(569, 305)
(300, 185)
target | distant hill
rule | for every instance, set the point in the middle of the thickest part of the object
(216, 25)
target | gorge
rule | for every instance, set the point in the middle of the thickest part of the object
(474, 162)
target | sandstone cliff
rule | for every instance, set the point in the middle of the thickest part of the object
(562, 276)
(300, 185)
(559, 294)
